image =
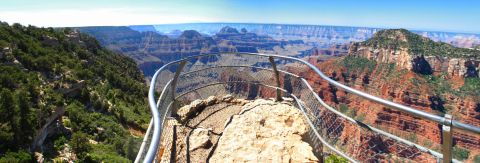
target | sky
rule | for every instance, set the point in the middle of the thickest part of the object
(437, 15)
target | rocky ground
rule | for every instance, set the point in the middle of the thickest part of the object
(236, 130)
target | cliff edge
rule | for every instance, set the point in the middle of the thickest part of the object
(237, 130)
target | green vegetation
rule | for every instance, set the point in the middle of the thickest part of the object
(477, 158)
(59, 144)
(335, 159)
(80, 144)
(358, 64)
(441, 86)
(46, 69)
(417, 44)
(412, 137)
(439, 83)
(351, 112)
(20, 156)
(471, 86)
(460, 153)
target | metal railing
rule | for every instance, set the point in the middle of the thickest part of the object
(249, 75)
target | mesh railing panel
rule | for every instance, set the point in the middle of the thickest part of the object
(236, 74)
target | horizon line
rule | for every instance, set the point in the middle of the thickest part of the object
(258, 23)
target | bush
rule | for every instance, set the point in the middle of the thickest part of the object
(80, 144)
(477, 158)
(460, 153)
(353, 63)
(20, 156)
(471, 86)
(59, 144)
(335, 159)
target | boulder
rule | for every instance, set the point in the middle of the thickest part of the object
(227, 98)
(240, 101)
(267, 131)
(200, 138)
(188, 110)
(211, 100)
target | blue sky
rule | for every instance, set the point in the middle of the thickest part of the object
(440, 15)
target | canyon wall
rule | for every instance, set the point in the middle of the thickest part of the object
(323, 35)
(152, 50)
(390, 67)
(415, 53)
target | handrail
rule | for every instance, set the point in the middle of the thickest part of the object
(156, 119)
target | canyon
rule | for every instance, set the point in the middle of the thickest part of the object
(398, 65)
(320, 35)
(151, 50)
(388, 70)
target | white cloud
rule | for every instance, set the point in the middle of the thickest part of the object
(98, 17)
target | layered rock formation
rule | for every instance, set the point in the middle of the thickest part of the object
(419, 54)
(394, 71)
(245, 41)
(152, 50)
(322, 35)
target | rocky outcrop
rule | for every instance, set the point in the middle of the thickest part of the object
(400, 86)
(421, 55)
(245, 41)
(228, 31)
(188, 110)
(253, 131)
(265, 131)
(200, 138)
(191, 34)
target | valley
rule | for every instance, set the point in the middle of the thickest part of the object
(412, 70)
(398, 65)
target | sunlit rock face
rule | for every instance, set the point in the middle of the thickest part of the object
(265, 131)
(419, 54)
(434, 83)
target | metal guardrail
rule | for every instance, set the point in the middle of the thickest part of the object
(171, 72)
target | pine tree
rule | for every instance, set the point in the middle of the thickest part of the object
(7, 128)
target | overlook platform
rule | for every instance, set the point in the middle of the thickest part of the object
(261, 76)
(236, 130)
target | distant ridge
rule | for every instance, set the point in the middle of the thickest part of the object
(319, 33)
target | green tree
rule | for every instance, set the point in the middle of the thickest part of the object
(7, 123)
(130, 149)
(26, 118)
(20, 156)
(80, 144)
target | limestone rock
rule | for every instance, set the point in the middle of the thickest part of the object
(197, 104)
(227, 98)
(256, 103)
(266, 132)
(240, 101)
(211, 100)
(39, 157)
(200, 138)
(188, 110)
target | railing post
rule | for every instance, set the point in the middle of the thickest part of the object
(277, 77)
(447, 139)
(174, 81)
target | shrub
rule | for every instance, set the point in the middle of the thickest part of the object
(59, 144)
(460, 153)
(80, 144)
(20, 156)
(335, 159)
